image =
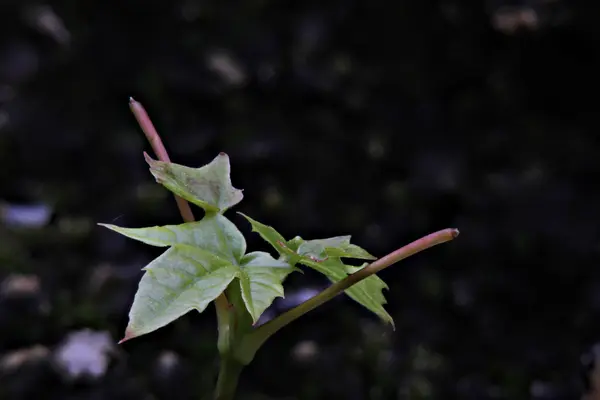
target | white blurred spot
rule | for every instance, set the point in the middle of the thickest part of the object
(229, 69)
(19, 285)
(45, 20)
(167, 361)
(30, 216)
(305, 351)
(510, 19)
(15, 359)
(84, 353)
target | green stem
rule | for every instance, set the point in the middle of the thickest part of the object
(254, 340)
(225, 319)
(229, 374)
(234, 322)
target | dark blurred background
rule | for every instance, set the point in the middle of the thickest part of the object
(386, 120)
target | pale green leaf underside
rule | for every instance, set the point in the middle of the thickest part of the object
(214, 233)
(323, 256)
(313, 250)
(338, 246)
(294, 243)
(204, 258)
(183, 278)
(261, 281)
(271, 236)
(208, 187)
(368, 292)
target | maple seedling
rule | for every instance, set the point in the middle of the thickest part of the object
(207, 261)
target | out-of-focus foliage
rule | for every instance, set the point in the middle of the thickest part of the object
(479, 115)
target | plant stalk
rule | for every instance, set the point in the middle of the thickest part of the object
(256, 339)
(159, 149)
(153, 137)
(229, 374)
(230, 368)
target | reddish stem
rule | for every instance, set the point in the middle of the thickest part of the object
(159, 149)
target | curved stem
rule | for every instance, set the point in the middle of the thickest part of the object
(254, 340)
(153, 137)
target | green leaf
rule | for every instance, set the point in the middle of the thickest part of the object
(208, 187)
(214, 244)
(181, 279)
(368, 292)
(313, 250)
(214, 233)
(323, 255)
(338, 246)
(272, 237)
(260, 281)
(295, 243)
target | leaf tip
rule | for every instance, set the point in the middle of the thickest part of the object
(247, 219)
(107, 226)
(149, 159)
(128, 335)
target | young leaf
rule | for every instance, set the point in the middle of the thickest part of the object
(260, 281)
(323, 255)
(368, 292)
(181, 279)
(338, 246)
(208, 187)
(272, 237)
(294, 243)
(312, 249)
(318, 249)
(214, 233)
(213, 238)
